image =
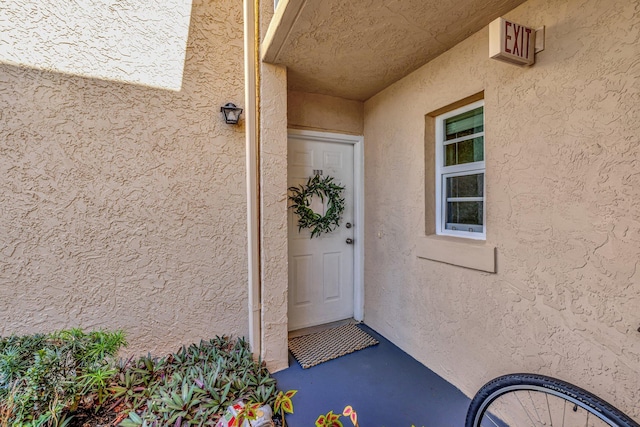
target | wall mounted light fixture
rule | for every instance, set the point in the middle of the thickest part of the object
(231, 113)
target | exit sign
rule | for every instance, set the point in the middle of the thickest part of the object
(512, 42)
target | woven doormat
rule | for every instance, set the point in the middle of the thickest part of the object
(313, 349)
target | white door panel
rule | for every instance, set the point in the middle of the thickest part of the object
(320, 269)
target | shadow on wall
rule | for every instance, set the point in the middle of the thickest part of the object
(123, 206)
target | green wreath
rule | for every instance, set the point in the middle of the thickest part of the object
(307, 218)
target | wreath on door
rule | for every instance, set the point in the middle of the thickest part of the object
(324, 188)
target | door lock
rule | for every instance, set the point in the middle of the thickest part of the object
(348, 225)
(349, 241)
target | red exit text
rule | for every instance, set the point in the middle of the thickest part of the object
(517, 40)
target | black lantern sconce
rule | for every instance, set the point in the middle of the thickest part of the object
(231, 113)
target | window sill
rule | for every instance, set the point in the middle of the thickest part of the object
(467, 253)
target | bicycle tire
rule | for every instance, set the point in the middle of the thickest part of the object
(503, 385)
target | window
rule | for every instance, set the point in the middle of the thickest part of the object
(460, 190)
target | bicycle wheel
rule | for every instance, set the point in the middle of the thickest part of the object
(518, 400)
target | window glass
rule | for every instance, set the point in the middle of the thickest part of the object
(461, 169)
(465, 216)
(467, 151)
(465, 124)
(465, 186)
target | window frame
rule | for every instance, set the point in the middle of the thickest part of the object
(444, 172)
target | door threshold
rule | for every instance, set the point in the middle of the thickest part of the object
(320, 328)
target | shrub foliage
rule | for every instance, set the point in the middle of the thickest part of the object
(193, 386)
(46, 379)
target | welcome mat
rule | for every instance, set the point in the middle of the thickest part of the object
(313, 349)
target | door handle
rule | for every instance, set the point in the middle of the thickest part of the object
(349, 241)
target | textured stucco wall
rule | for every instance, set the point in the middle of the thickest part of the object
(273, 157)
(324, 113)
(124, 206)
(354, 49)
(563, 191)
(132, 41)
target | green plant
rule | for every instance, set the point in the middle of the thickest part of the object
(329, 420)
(136, 382)
(307, 218)
(45, 378)
(283, 404)
(96, 380)
(7, 407)
(249, 412)
(333, 420)
(193, 386)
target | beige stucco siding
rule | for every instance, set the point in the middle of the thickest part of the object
(563, 203)
(123, 205)
(273, 140)
(324, 113)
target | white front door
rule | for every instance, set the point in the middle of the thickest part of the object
(321, 270)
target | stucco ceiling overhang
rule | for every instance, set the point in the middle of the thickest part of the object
(355, 48)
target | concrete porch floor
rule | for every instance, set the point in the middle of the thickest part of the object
(386, 387)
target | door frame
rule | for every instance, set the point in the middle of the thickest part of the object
(358, 195)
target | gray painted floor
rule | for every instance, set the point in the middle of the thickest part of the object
(386, 386)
